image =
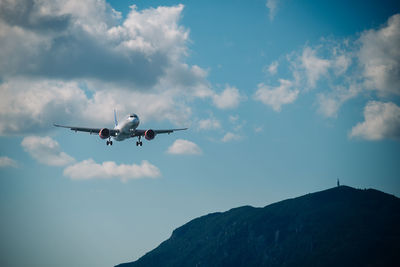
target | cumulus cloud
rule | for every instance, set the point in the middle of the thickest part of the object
(28, 106)
(307, 68)
(7, 162)
(227, 99)
(328, 106)
(184, 147)
(209, 124)
(314, 66)
(229, 136)
(273, 68)
(374, 55)
(89, 169)
(376, 58)
(343, 69)
(238, 123)
(380, 57)
(272, 5)
(164, 105)
(233, 118)
(275, 97)
(341, 63)
(381, 120)
(329, 103)
(28, 14)
(75, 61)
(86, 39)
(258, 129)
(46, 151)
(328, 64)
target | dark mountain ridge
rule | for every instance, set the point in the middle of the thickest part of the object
(341, 226)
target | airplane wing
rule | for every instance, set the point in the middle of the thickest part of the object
(113, 132)
(139, 132)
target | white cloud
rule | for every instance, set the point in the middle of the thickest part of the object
(164, 105)
(229, 136)
(46, 151)
(275, 97)
(7, 162)
(380, 57)
(381, 120)
(238, 123)
(343, 69)
(75, 61)
(273, 68)
(229, 98)
(329, 104)
(315, 67)
(89, 169)
(335, 69)
(86, 39)
(233, 119)
(209, 124)
(184, 147)
(272, 5)
(31, 106)
(341, 63)
(258, 129)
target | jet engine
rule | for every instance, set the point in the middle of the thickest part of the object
(104, 133)
(149, 134)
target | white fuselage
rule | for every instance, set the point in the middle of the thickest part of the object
(127, 127)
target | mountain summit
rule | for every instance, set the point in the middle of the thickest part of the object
(341, 226)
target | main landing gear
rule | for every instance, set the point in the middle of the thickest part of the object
(139, 143)
(109, 142)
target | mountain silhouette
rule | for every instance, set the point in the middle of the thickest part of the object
(341, 226)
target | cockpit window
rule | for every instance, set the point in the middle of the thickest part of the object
(133, 116)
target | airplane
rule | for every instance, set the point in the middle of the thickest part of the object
(127, 129)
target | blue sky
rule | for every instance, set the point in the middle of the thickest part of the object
(281, 97)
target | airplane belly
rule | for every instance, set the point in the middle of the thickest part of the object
(121, 137)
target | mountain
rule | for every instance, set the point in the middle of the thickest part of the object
(341, 226)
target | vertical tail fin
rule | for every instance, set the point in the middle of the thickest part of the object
(115, 118)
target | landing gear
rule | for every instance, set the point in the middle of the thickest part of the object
(139, 143)
(109, 142)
